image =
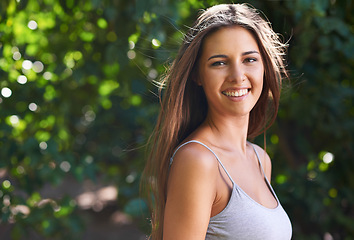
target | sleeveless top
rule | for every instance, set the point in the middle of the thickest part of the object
(245, 219)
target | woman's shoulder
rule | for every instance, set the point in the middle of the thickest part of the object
(195, 153)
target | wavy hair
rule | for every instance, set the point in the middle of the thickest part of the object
(184, 106)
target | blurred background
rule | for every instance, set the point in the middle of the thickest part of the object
(78, 102)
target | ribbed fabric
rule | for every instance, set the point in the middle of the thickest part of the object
(245, 219)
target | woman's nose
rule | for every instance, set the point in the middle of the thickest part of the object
(236, 73)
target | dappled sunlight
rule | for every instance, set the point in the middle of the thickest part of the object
(121, 218)
(23, 209)
(86, 200)
(97, 200)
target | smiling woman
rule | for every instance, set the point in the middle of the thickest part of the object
(207, 180)
(231, 72)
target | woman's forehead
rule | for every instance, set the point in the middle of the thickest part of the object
(227, 39)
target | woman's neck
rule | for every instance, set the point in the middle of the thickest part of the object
(228, 132)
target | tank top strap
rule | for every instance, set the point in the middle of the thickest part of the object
(259, 160)
(265, 176)
(195, 141)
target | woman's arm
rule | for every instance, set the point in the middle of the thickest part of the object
(191, 193)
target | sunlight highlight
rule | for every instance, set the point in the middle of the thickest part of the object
(22, 79)
(6, 92)
(33, 107)
(32, 25)
(27, 64)
(328, 158)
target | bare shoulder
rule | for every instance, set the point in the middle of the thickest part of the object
(265, 159)
(196, 160)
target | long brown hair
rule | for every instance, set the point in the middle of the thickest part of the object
(184, 105)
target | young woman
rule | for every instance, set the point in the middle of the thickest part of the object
(208, 181)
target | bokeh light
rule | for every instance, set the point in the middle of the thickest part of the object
(16, 55)
(43, 145)
(131, 54)
(47, 75)
(32, 25)
(328, 157)
(38, 66)
(6, 92)
(65, 166)
(33, 107)
(22, 79)
(14, 120)
(27, 64)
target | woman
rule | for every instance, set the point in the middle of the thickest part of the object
(208, 181)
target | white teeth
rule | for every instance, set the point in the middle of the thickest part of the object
(238, 93)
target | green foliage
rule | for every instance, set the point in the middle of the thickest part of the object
(77, 100)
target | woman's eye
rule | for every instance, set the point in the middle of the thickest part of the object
(218, 63)
(250, 60)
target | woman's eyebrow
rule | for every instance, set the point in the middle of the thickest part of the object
(225, 56)
(217, 56)
(249, 52)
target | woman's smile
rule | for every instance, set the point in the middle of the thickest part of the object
(236, 92)
(236, 95)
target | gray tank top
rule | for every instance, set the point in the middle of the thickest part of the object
(245, 219)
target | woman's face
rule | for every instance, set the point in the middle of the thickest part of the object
(231, 71)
